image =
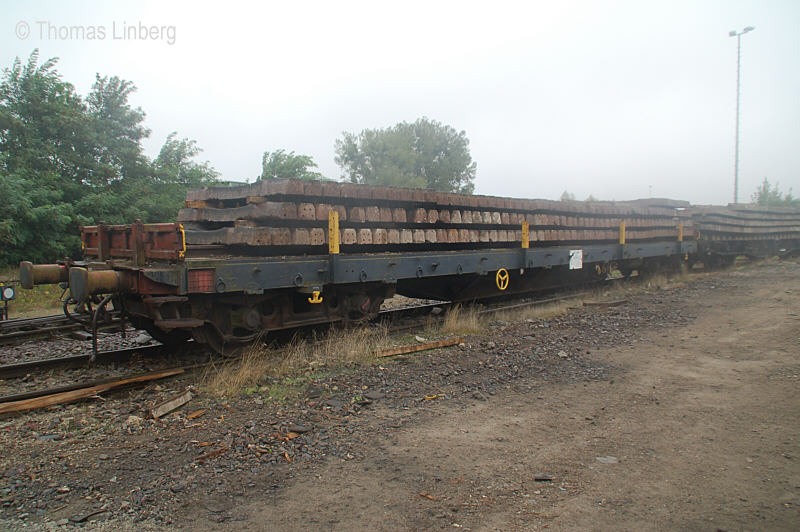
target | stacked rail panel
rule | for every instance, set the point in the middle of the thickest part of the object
(274, 214)
(746, 222)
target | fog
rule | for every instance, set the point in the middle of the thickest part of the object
(615, 99)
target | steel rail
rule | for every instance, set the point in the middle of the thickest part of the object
(21, 369)
(22, 328)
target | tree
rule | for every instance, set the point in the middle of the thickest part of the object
(46, 147)
(67, 161)
(567, 196)
(591, 198)
(35, 222)
(768, 194)
(425, 154)
(172, 173)
(175, 164)
(282, 165)
(117, 131)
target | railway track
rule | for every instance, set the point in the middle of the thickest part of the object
(19, 329)
(22, 328)
(22, 369)
(117, 356)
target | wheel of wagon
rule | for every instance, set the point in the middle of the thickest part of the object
(165, 336)
(228, 346)
(172, 337)
(361, 306)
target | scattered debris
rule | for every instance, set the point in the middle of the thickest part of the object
(143, 339)
(614, 303)
(171, 404)
(285, 437)
(196, 414)
(541, 477)
(80, 518)
(404, 350)
(80, 335)
(213, 453)
(607, 459)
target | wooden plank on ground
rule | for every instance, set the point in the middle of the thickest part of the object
(615, 303)
(83, 393)
(413, 348)
(171, 404)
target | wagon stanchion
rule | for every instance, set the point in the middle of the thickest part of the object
(526, 235)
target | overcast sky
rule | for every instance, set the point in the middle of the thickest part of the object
(601, 98)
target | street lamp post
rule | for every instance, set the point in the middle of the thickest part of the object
(738, 36)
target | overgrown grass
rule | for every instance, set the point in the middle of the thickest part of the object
(657, 281)
(294, 364)
(42, 300)
(463, 320)
(536, 312)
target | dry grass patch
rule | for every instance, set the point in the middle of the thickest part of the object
(535, 312)
(260, 363)
(612, 291)
(463, 320)
(657, 281)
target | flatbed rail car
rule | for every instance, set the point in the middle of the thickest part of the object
(226, 302)
(285, 253)
(230, 301)
(751, 230)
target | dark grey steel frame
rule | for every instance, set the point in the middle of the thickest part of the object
(256, 275)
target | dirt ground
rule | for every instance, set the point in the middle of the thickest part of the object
(701, 424)
(681, 412)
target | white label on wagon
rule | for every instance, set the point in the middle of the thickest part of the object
(575, 259)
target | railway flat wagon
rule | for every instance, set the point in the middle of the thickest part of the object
(279, 254)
